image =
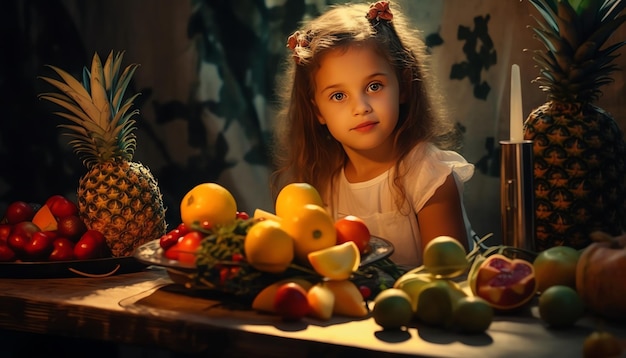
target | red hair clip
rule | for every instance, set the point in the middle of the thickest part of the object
(379, 10)
(297, 40)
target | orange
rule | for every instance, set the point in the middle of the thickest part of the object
(311, 228)
(268, 247)
(295, 195)
(208, 202)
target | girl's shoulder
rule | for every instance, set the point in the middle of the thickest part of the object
(426, 157)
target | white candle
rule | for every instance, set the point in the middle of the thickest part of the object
(517, 121)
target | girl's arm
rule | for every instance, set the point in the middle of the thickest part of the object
(443, 215)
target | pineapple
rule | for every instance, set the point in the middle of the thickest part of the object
(579, 151)
(116, 196)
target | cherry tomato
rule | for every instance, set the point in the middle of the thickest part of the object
(237, 257)
(170, 239)
(366, 292)
(19, 211)
(183, 229)
(352, 228)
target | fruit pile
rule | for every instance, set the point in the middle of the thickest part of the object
(430, 295)
(297, 262)
(498, 281)
(49, 232)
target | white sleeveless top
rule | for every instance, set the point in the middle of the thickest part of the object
(373, 201)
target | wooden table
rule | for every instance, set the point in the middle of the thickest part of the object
(145, 309)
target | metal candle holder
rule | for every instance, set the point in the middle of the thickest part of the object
(516, 194)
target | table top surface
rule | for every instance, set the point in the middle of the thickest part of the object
(147, 308)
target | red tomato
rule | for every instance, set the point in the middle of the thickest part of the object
(242, 215)
(187, 247)
(171, 253)
(352, 228)
(19, 211)
(63, 250)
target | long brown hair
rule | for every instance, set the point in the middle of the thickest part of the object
(304, 150)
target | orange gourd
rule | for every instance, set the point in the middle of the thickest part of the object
(601, 276)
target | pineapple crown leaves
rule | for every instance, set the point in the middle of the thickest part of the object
(575, 64)
(102, 128)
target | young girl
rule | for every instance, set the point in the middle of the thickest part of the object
(359, 123)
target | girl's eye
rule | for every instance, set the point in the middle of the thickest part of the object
(375, 87)
(337, 96)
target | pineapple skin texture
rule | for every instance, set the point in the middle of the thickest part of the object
(122, 200)
(579, 174)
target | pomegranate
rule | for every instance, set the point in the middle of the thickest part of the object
(505, 283)
(601, 276)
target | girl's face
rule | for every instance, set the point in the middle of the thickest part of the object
(358, 98)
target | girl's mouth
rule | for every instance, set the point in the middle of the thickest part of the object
(365, 126)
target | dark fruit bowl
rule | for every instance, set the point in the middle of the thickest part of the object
(95, 268)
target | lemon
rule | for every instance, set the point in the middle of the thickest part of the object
(337, 262)
(208, 202)
(311, 228)
(392, 309)
(295, 195)
(445, 257)
(268, 247)
(560, 306)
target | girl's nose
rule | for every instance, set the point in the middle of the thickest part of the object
(362, 106)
